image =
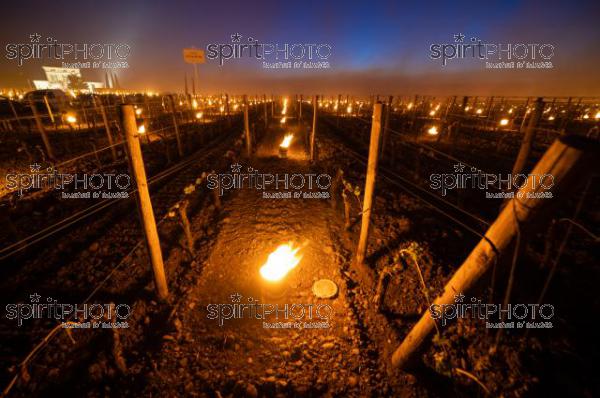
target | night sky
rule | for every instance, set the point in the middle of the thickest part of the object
(378, 47)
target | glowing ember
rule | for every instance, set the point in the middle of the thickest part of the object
(503, 122)
(280, 262)
(287, 140)
(432, 131)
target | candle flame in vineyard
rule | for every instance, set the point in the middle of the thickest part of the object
(138, 111)
(199, 115)
(479, 111)
(142, 129)
(597, 116)
(287, 140)
(71, 119)
(432, 131)
(194, 104)
(283, 120)
(503, 122)
(280, 262)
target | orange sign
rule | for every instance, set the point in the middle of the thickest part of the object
(193, 56)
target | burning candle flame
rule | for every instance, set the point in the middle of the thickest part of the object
(433, 131)
(280, 262)
(287, 140)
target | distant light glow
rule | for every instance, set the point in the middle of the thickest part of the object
(433, 130)
(287, 140)
(142, 129)
(503, 122)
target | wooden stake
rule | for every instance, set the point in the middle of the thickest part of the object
(568, 160)
(113, 150)
(134, 150)
(313, 155)
(528, 138)
(247, 128)
(370, 183)
(386, 125)
(300, 110)
(42, 131)
(176, 127)
(266, 113)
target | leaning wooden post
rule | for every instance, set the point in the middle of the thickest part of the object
(247, 128)
(113, 149)
(568, 161)
(370, 183)
(42, 131)
(528, 138)
(313, 155)
(132, 137)
(176, 127)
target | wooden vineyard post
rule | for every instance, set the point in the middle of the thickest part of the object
(266, 113)
(247, 128)
(272, 107)
(227, 110)
(528, 138)
(568, 160)
(370, 182)
(337, 112)
(147, 214)
(313, 132)
(300, 110)
(386, 125)
(106, 123)
(42, 131)
(176, 127)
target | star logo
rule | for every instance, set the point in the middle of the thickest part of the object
(235, 38)
(35, 38)
(236, 298)
(35, 298)
(459, 38)
(459, 167)
(236, 167)
(35, 167)
(458, 298)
